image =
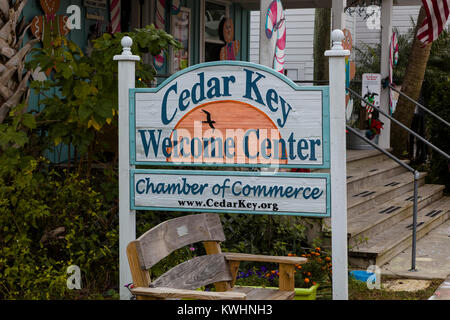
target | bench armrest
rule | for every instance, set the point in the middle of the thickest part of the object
(163, 293)
(232, 256)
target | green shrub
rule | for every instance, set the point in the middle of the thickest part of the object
(263, 234)
(80, 98)
(52, 218)
(438, 134)
(50, 221)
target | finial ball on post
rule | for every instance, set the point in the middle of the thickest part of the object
(126, 54)
(126, 42)
(337, 36)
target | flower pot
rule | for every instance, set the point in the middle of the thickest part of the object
(306, 294)
(356, 143)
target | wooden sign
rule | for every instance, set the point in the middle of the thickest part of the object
(230, 113)
(234, 113)
(231, 192)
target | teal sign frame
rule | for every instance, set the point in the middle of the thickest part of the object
(245, 175)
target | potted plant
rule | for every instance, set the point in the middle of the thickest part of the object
(307, 276)
(367, 124)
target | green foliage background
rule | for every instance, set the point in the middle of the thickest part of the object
(53, 216)
(436, 92)
(56, 215)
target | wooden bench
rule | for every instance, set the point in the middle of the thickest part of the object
(215, 267)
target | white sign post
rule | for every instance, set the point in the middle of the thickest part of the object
(338, 167)
(127, 219)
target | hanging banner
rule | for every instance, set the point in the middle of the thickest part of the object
(231, 192)
(230, 113)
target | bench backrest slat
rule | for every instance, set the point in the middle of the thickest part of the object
(160, 241)
(196, 273)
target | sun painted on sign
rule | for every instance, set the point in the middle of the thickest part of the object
(230, 113)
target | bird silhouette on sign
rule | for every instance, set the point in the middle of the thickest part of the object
(208, 119)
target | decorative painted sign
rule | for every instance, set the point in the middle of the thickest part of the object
(371, 90)
(231, 48)
(230, 113)
(350, 71)
(50, 25)
(231, 192)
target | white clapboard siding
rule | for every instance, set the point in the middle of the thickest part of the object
(300, 36)
(299, 46)
(402, 17)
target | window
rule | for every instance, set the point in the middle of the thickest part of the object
(214, 12)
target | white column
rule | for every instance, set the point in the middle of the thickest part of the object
(386, 35)
(266, 46)
(127, 218)
(337, 14)
(338, 167)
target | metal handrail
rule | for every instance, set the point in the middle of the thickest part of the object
(416, 180)
(416, 173)
(401, 125)
(387, 153)
(419, 105)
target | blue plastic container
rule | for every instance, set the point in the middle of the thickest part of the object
(362, 275)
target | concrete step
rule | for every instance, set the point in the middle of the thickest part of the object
(389, 213)
(362, 200)
(365, 157)
(360, 158)
(385, 245)
(360, 177)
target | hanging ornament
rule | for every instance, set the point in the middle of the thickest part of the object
(393, 60)
(275, 22)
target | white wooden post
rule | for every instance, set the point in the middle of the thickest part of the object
(386, 35)
(337, 14)
(266, 46)
(338, 167)
(127, 219)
